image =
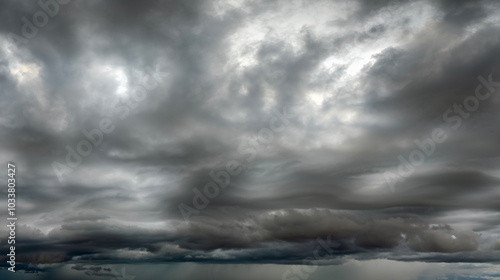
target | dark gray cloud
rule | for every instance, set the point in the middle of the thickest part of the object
(241, 132)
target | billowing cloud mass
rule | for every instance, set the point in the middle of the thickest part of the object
(251, 132)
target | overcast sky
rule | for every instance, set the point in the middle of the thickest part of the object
(361, 136)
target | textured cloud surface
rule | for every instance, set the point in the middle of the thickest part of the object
(253, 132)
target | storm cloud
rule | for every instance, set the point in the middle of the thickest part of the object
(252, 131)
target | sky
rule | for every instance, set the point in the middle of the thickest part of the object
(251, 139)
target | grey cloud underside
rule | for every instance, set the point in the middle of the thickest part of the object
(228, 74)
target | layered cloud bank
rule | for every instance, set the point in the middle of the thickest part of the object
(261, 132)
